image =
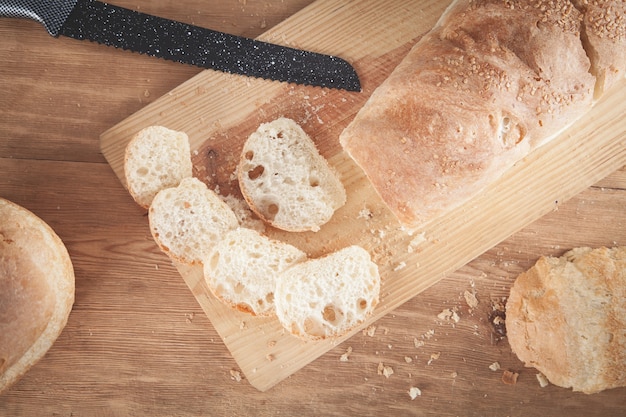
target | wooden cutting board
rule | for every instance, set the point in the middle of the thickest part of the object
(219, 111)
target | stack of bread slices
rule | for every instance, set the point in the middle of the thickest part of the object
(289, 185)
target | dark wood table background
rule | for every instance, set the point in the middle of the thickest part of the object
(137, 343)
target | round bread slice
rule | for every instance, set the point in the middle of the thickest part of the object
(242, 269)
(566, 317)
(156, 158)
(36, 290)
(187, 221)
(328, 296)
(286, 181)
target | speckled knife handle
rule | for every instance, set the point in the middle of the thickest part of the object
(50, 13)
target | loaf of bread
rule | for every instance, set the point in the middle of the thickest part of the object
(156, 158)
(566, 317)
(285, 180)
(328, 296)
(492, 81)
(187, 221)
(243, 267)
(36, 290)
(604, 37)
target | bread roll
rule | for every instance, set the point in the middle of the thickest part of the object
(567, 318)
(243, 267)
(490, 82)
(285, 180)
(156, 158)
(36, 290)
(187, 221)
(328, 296)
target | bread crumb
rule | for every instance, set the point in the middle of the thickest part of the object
(418, 343)
(344, 357)
(417, 240)
(269, 357)
(386, 371)
(448, 315)
(509, 377)
(414, 392)
(365, 214)
(495, 366)
(370, 331)
(543, 380)
(433, 357)
(470, 299)
(242, 325)
(189, 317)
(408, 359)
(400, 266)
(235, 375)
(271, 343)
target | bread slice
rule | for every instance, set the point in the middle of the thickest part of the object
(242, 269)
(285, 180)
(36, 290)
(156, 158)
(474, 96)
(187, 221)
(328, 296)
(566, 317)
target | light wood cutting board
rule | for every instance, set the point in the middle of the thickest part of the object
(219, 111)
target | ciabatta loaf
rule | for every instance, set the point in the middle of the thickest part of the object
(187, 221)
(285, 180)
(156, 158)
(490, 82)
(243, 267)
(566, 317)
(328, 296)
(36, 290)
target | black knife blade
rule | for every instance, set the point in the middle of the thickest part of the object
(180, 42)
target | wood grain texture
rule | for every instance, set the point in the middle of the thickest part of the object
(138, 343)
(219, 111)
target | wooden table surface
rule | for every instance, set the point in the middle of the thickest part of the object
(138, 343)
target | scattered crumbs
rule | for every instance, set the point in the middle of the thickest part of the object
(408, 359)
(271, 343)
(470, 299)
(448, 315)
(270, 357)
(195, 152)
(495, 366)
(156, 267)
(243, 213)
(497, 318)
(417, 240)
(365, 214)
(414, 392)
(189, 317)
(429, 334)
(543, 380)
(418, 343)
(370, 331)
(390, 346)
(235, 375)
(433, 357)
(400, 266)
(454, 374)
(509, 377)
(384, 370)
(242, 325)
(345, 356)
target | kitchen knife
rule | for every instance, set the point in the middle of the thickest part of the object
(176, 41)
